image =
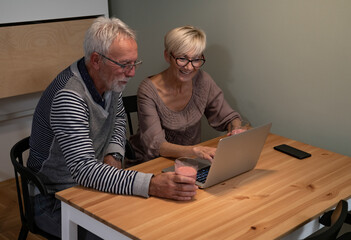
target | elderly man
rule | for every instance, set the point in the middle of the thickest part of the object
(78, 132)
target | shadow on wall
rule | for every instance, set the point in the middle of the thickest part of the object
(220, 65)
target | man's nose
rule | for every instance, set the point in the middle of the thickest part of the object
(130, 73)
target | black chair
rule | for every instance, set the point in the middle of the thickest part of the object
(333, 221)
(130, 106)
(345, 236)
(25, 202)
(326, 221)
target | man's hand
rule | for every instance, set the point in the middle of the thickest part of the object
(110, 160)
(172, 186)
(204, 152)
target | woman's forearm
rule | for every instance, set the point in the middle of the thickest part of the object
(174, 150)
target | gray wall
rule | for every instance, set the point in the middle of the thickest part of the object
(286, 62)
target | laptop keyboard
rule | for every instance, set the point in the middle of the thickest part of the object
(202, 174)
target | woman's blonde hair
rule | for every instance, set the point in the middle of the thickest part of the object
(186, 39)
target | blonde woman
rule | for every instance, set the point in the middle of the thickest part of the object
(172, 102)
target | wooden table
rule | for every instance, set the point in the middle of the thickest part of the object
(279, 196)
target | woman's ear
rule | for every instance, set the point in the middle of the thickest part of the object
(167, 56)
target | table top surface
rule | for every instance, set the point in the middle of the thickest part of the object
(281, 194)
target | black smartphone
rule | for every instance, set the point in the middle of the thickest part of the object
(294, 152)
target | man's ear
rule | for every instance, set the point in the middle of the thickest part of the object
(95, 60)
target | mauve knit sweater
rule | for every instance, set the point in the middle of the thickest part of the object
(157, 123)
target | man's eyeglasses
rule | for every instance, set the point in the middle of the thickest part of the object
(196, 63)
(125, 67)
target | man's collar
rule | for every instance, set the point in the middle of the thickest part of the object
(89, 83)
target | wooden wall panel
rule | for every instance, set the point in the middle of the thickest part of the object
(31, 55)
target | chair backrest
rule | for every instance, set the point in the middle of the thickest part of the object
(130, 106)
(24, 200)
(345, 236)
(336, 220)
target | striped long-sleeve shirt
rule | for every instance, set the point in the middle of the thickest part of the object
(73, 129)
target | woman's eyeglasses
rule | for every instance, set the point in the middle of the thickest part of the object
(196, 63)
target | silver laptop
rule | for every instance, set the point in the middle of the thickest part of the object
(235, 155)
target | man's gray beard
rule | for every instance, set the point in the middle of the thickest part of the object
(119, 88)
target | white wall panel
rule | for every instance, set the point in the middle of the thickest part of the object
(12, 11)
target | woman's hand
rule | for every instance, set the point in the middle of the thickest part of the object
(236, 131)
(204, 152)
(237, 126)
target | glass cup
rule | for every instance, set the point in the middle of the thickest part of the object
(186, 166)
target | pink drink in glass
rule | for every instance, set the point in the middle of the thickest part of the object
(187, 171)
(186, 167)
